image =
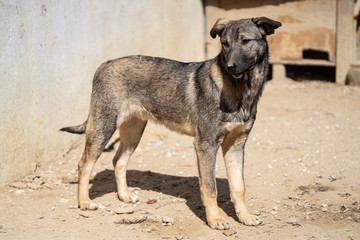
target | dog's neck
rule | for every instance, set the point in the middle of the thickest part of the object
(239, 96)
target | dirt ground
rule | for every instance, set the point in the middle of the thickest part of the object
(302, 172)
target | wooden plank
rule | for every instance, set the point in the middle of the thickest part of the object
(304, 62)
(355, 63)
(344, 38)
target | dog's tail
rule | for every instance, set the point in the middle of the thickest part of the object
(79, 129)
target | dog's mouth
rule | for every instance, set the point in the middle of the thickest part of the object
(241, 74)
(237, 75)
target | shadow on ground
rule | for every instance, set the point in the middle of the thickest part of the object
(177, 186)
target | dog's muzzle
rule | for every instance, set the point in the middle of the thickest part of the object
(232, 69)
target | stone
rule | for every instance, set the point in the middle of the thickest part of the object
(167, 221)
(126, 210)
(33, 186)
(85, 215)
(293, 221)
(229, 232)
(73, 207)
(18, 185)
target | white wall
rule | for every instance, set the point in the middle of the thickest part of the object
(50, 51)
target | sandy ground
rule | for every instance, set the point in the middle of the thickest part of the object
(302, 166)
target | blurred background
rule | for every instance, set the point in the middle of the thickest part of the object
(51, 49)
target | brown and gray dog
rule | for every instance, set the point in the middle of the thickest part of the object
(214, 101)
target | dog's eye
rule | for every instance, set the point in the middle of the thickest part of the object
(245, 41)
(225, 43)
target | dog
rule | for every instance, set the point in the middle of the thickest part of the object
(215, 101)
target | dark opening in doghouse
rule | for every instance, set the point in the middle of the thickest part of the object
(269, 76)
(300, 73)
(315, 54)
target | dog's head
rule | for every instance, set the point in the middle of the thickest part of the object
(243, 42)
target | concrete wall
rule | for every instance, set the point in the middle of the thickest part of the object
(50, 51)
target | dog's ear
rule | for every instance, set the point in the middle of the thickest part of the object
(218, 27)
(266, 25)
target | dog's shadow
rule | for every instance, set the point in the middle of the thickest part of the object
(177, 186)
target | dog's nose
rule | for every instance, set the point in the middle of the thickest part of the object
(231, 67)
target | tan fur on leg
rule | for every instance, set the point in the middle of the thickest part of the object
(233, 150)
(130, 134)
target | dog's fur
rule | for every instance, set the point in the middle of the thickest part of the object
(215, 101)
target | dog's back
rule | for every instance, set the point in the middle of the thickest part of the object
(147, 87)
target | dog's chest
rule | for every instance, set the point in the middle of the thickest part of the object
(238, 110)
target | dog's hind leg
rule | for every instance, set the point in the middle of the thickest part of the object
(98, 133)
(130, 135)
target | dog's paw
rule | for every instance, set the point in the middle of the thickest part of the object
(218, 223)
(128, 197)
(88, 205)
(248, 219)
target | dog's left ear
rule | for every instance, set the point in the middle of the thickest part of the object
(266, 25)
(218, 27)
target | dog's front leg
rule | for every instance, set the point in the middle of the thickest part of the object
(206, 159)
(233, 150)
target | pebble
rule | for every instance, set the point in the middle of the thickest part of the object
(256, 213)
(307, 205)
(344, 194)
(37, 181)
(29, 178)
(50, 186)
(73, 207)
(64, 200)
(18, 185)
(167, 221)
(294, 221)
(158, 144)
(67, 179)
(333, 178)
(20, 191)
(126, 210)
(229, 232)
(291, 146)
(275, 208)
(101, 206)
(324, 207)
(132, 221)
(344, 208)
(146, 230)
(85, 215)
